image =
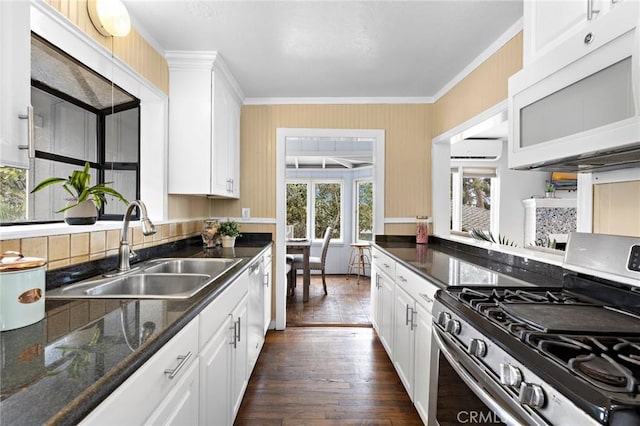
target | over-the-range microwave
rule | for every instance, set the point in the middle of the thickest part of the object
(577, 108)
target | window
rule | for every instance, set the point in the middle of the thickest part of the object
(312, 206)
(78, 117)
(364, 210)
(471, 198)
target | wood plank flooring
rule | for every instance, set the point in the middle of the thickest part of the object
(328, 367)
(346, 304)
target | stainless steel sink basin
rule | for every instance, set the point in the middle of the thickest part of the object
(174, 278)
(151, 285)
(208, 266)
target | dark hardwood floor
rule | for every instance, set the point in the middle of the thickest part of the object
(328, 367)
(346, 304)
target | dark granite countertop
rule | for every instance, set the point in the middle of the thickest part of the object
(446, 263)
(57, 370)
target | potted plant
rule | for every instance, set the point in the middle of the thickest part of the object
(550, 191)
(82, 207)
(229, 230)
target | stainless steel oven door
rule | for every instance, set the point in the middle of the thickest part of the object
(463, 392)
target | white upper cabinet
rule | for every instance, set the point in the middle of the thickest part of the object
(547, 23)
(15, 83)
(204, 126)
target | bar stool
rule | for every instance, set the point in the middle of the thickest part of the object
(359, 259)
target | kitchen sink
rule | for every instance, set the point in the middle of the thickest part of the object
(172, 278)
(150, 285)
(208, 266)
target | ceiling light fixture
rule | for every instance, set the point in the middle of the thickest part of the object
(110, 17)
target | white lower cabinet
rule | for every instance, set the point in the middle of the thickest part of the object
(180, 407)
(404, 338)
(198, 377)
(268, 288)
(422, 362)
(381, 307)
(401, 314)
(223, 353)
(153, 394)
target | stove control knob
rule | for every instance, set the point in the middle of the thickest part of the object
(510, 375)
(531, 395)
(477, 348)
(453, 327)
(443, 318)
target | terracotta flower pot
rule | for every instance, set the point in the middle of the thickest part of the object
(84, 213)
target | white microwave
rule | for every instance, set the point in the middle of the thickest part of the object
(577, 108)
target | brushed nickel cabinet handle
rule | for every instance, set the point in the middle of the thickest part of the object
(183, 360)
(30, 146)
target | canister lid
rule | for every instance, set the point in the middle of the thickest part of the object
(15, 261)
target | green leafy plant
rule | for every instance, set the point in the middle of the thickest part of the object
(550, 188)
(479, 234)
(229, 228)
(78, 185)
(545, 242)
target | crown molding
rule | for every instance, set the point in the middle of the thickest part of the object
(338, 100)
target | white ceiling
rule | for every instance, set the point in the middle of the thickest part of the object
(327, 49)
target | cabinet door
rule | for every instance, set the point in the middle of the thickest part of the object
(215, 376)
(15, 82)
(547, 23)
(141, 394)
(268, 285)
(374, 301)
(233, 151)
(220, 132)
(404, 325)
(190, 130)
(180, 407)
(422, 363)
(385, 315)
(239, 376)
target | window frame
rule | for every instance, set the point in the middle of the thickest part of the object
(100, 166)
(356, 203)
(311, 202)
(456, 176)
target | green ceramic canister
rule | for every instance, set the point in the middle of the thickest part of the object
(22, 286)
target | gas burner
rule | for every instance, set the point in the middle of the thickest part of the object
(611, 364)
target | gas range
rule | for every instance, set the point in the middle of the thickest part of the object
(556, 356)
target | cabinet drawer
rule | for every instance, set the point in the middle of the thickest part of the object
(384, 263)
(217, 312)
(139, 396)
(416, 286)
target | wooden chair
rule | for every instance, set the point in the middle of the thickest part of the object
(315, 263)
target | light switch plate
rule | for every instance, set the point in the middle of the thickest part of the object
(246, 212)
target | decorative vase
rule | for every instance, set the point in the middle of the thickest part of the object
(84, 213)
(549, 195)
(228, 241)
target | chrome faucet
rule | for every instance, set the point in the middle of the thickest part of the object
(148, 228)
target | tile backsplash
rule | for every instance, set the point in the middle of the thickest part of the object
(70, 249)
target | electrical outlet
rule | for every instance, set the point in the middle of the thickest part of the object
(246, 212)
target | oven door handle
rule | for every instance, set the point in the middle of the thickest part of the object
(485, 396)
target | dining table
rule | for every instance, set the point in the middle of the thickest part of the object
(303, 246)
